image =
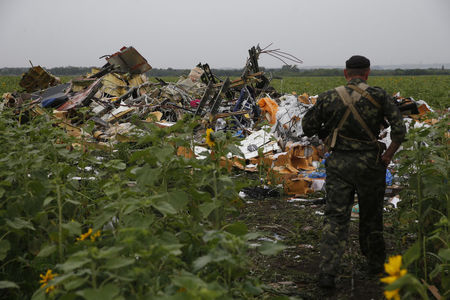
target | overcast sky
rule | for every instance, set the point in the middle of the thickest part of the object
(180, 34)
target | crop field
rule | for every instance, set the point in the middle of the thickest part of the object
(138, 221)
(435, 90)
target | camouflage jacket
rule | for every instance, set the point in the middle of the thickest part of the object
(329, 109)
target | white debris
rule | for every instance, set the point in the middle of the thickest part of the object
(81, 178)
(395, 200)
(250, 145)
(298, 200)
(318, 184)
(289, 115)
(198, 151)
(265, 239)
(278, 237)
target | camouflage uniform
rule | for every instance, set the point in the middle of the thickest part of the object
(354, 165)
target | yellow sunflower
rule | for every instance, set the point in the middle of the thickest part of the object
(89, 234)
(85, 235)
(45, 279)
(393, 268)
(210, 138)
(95, 235)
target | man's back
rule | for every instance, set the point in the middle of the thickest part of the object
(330, 109)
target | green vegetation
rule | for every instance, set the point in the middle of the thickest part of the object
(140, 222)
(424, 210)
(9, 84)
(435, 90)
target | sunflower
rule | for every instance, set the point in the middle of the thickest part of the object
(210, 138)
(85, 235)
(393, 268)
(45, 280)
(95, 235)
(89, 234)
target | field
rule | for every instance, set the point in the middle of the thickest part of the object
(435, 90)
(141, 222)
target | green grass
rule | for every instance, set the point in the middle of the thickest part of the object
(434, 89)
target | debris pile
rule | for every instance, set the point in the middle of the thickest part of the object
(269, 124)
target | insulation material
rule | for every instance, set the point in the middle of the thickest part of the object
(269, 108)
(298, 186)
(290, 112)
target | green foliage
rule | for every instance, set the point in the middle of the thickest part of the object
(425, 205)
(161, 218)
(136, 223)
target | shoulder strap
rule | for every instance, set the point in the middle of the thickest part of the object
(361, 89)
(336, 130)
(348, 101)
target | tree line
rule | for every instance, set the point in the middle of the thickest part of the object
(285, 71)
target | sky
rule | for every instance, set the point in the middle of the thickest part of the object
(180, 34)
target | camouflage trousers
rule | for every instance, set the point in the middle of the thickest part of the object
(349, 172)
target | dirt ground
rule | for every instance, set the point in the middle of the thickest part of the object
(293, 272)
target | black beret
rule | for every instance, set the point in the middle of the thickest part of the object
(357, 62)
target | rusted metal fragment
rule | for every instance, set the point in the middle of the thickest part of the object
(37, 79)
(128, 60)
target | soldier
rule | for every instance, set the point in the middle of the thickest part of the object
(349, 119)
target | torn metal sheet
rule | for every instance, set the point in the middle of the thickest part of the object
(82, 98)
(54, 96)
(128, 60)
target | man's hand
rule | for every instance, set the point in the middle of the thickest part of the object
(389, 153)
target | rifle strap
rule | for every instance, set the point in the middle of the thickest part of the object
(348, 101)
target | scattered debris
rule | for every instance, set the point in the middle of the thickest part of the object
(113, 97)
(259, 192)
